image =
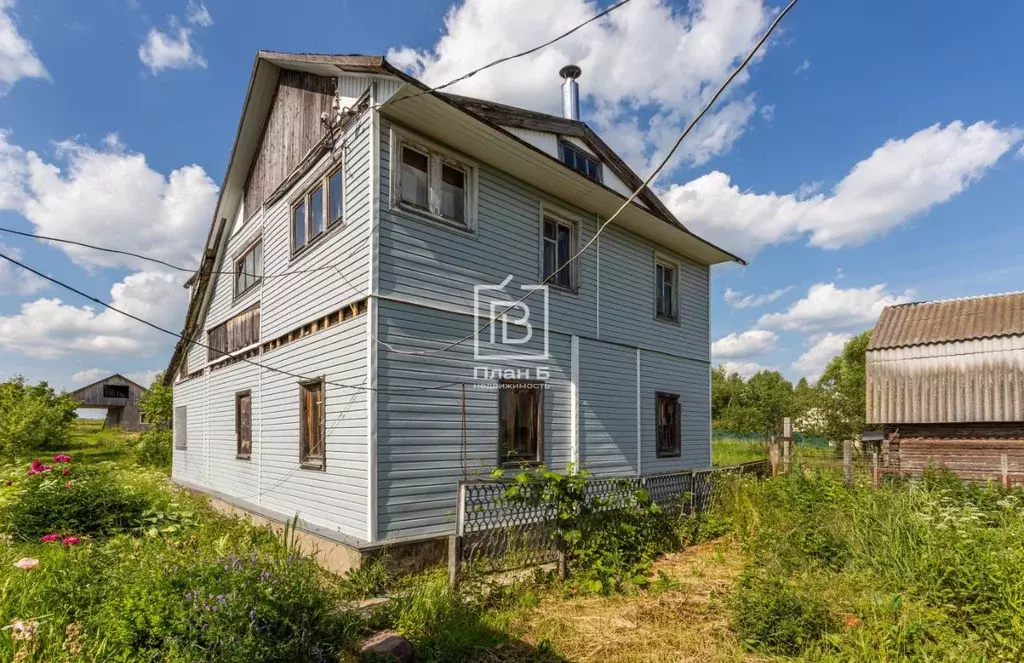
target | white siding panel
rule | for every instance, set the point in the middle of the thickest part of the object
(420, 428)
(692, 381)
(335, 497)
(188, 464)
(228, 474)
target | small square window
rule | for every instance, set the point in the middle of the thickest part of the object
(414, 177)
(335, 197)
(668, 425)
(312, 444)
(521, 422)
(665, 295)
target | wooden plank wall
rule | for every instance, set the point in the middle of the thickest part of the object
(293, 128)
(236, 333)
(92, 395)
(972, 450)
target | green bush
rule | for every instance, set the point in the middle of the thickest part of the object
(33, 417)
(69, 499)
(153, 449)
(774, 616)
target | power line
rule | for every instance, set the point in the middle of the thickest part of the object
(508, 58)
(632, 197)
(102, 303)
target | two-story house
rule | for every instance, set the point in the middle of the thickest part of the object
(363, 233)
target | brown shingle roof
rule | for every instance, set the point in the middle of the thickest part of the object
(951, 320)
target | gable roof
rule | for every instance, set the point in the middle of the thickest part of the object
(115, 375)
(949, 320)
(256, 109)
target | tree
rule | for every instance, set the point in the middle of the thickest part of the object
(841, 398)
(804, 398)
(33, 417)
(157, 404)
(755, 406)
(726, 390)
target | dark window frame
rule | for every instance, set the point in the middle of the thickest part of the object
(574, 238)
(239, 395)
(306, 460)
(677, 448)
(659, 314)
(509, 386)
(565, 149)
(180, 422)
(322, 182)
(119, 388)
(240, 258)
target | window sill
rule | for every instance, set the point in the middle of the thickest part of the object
(574, 291)
(243, 458)
(427, 215)
(512, 465)
(311, 465)
(678, 454)
(297, 254)
(667, 320)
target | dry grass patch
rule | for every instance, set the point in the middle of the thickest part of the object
(686, 620)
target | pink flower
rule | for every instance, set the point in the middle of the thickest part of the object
(71, 540)
(38, 468)
(27, 563)
(67, 471)
(62, 458)
(31, 472)
(50, 538)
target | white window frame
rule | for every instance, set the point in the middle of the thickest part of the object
(575, 223)
(665, 261)
(437, 156)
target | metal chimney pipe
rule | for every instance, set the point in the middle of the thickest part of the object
(570, 92)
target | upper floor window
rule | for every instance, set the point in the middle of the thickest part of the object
(579, 160)
(559, 243)
(521, 422)
(249, 268)
(668, 423)
(430, 182)
(319, 210)
(665, 297)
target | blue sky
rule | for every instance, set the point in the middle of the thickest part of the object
(872, 153)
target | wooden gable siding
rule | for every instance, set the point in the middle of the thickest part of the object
(293, 128)
(92, 395)
(235, 333)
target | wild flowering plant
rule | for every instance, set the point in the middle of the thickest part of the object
(27, 563)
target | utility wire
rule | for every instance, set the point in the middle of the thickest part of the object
(632, 197)
(446, 386)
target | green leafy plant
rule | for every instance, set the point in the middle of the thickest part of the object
(33, 417)
(774, 616)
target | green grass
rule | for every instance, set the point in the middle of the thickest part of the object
(725, 452)
(91, 443)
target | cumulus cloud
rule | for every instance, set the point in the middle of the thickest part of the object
(739, 300)
(51, 329)
(89, 375)
(746, 344)
(17, 59)
(744, 368)
(109, 196)
(822, 349)
(13, 279)
(173, 48)
(830, 308)
(647, 67)
(901, 180)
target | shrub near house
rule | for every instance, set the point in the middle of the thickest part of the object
(32, 417)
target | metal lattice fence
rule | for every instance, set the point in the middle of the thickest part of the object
(494, 533)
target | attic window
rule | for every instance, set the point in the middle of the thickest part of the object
(579, 161)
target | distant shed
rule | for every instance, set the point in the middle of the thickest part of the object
(948, 378)
(119, 396)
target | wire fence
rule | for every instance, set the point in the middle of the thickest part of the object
(498, 534)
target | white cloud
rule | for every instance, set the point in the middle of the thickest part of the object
(50, 328)
(198, 14)
(739, 300)
(173, 50)
(89, 375)
(829, 308)
(145, 378)
(901, 179)
(17, 59)
(13, 279)
(823, 348)
(646, 60)
(744, 368)
(746, 344)
(111, 197)
(804, 66)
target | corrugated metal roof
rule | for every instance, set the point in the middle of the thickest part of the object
(950, 320)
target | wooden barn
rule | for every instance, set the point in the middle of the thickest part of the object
(945, 382)
(119, 396)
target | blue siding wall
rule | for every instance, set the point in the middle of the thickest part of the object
(691, 380)
(607, 408)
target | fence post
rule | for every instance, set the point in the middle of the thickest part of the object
(1004, 468)
(454, 558)
(874, 470)
(848, 461)
(773, 456)
(787, 449)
